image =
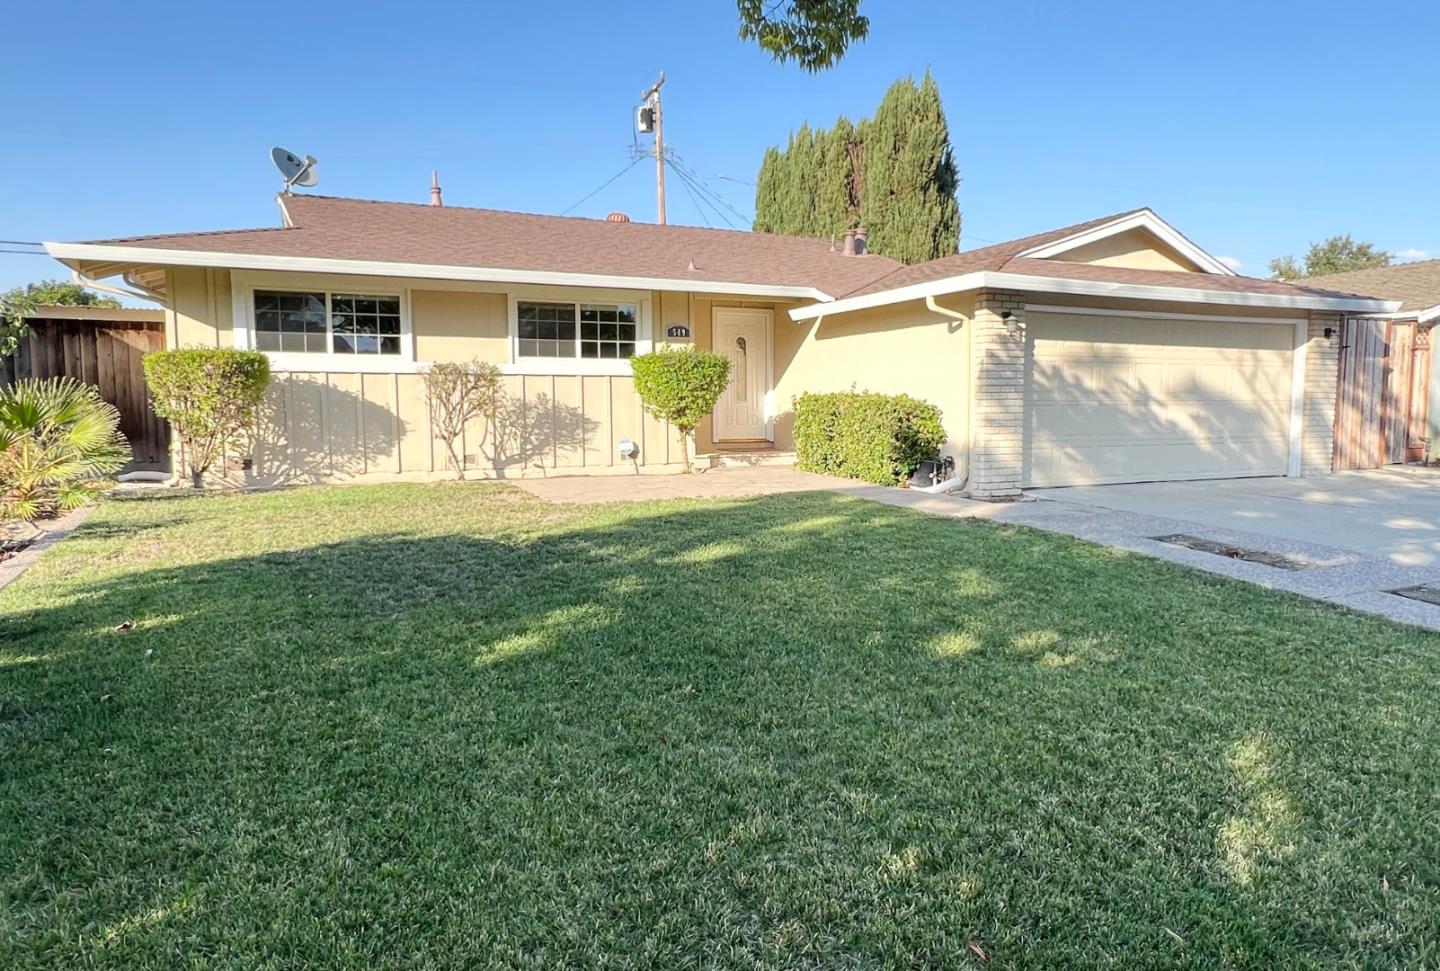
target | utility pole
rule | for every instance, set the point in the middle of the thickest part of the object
(652, 98)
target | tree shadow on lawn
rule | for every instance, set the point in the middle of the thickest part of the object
(806, 730)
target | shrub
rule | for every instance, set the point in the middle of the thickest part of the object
(211, 397)
(58, 439)
(860, 435)
(457, 394)
(681, 386)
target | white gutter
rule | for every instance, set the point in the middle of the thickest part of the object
(92, 284)
(434, 271)
(998, 280)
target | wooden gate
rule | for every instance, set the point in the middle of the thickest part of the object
(105, 353)
(1383, 393)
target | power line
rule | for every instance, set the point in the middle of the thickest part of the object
(24, 252)
(603, 185)
(690, 183)
(695, 199)
(682, 167)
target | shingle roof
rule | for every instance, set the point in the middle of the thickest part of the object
(1416, 285)
(326, 227)
(355, 229)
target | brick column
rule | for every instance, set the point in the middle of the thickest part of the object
(1322, 363)
(997, 381)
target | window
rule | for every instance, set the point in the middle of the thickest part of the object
(576, 329)
(319, 323)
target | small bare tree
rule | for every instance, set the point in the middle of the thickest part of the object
(458, 393)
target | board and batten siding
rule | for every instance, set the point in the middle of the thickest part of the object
(333, 425)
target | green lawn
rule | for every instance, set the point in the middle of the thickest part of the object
(424, 726)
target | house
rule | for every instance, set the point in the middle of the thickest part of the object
(1388, 409)
(1110, 351)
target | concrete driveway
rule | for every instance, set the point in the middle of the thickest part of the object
(1359, 534)
(1391, 513)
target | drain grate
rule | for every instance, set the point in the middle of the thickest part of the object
(1426, 595)
(1265, 558)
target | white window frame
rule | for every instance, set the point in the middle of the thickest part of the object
(243, 288)
(644, 340)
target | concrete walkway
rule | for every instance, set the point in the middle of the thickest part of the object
(51, 532)
(1359, 535)
(733, 483)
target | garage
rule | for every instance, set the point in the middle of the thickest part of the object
(1139, 398)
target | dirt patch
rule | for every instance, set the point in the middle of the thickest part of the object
(1264, 557)
(11, 547)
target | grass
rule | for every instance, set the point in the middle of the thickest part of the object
(428, 726)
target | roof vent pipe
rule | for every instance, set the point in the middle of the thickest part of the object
(848, 248)
(862, 235)
(435, 188)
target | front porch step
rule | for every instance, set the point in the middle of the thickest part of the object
(734, 458)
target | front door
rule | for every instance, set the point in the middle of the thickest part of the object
(744, 337)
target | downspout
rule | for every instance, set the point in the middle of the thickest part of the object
(955, 483)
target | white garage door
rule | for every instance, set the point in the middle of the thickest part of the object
(1141, 399)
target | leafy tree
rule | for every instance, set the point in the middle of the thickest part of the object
(58, 440)
(812, 33)
(1338, 254)
(894, 174)
(459, 393)
(19, 304)
(211, 396)
(681, 386)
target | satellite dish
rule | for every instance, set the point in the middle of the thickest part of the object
(295, 170)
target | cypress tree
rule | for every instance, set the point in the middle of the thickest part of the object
(893, 173)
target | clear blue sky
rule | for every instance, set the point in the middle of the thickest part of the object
(1255, 127)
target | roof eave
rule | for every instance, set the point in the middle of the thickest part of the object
(110, 254)
(1094, 288)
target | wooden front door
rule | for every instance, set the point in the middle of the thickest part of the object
(1382, 395)
(744, 337)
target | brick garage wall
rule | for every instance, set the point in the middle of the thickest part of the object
(997, 361)
(1322, 362)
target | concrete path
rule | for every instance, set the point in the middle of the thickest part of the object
(729, 483)
(51, 532)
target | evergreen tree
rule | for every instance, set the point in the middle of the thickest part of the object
(894, 174)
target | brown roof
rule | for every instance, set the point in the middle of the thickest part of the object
(1415, 285)
(394, 232)
(325, 227)
(1004, 257)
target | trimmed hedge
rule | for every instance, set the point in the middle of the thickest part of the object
(860, 435)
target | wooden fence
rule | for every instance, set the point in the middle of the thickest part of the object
(1383, 394)
(105, 353)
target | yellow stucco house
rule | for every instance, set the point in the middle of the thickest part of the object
(1111, 351)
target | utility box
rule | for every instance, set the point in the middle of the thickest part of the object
(645, 119)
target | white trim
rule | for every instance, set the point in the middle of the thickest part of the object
(1159, 315)
(1419, 316)
(991, 279)
(1144, 219)
(644, 337)
(1297, 396)
(767, 404)
(298, 264)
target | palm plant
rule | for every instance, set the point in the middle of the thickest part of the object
(58, 441)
